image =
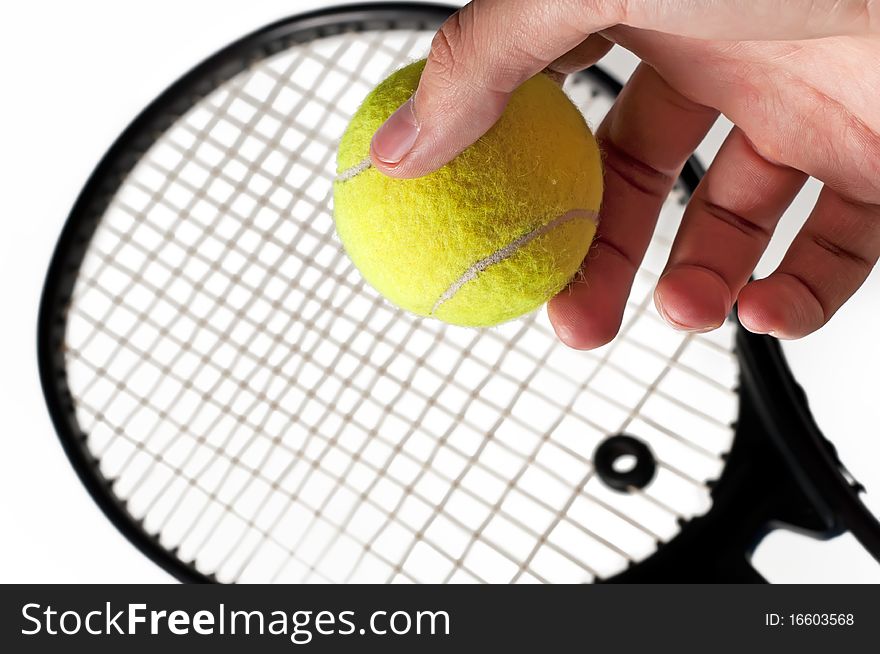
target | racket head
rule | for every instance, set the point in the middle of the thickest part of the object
(768, 402)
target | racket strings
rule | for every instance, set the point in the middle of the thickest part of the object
(270, 417)
(221, 112)
(246, 352)
(206, 360)
(277, 338)
(182, 427)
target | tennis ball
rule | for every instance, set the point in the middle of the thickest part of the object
(488, 237)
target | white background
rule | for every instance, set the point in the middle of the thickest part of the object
(73, 76)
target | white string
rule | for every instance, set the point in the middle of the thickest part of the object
(354, 171)
(508, 251)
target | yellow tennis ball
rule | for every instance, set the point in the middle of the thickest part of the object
(490, 236)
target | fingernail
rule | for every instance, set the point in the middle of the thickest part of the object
(395, 138)
(680, 326)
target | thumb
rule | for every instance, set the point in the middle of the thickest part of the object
(489, 47)
(480, 55)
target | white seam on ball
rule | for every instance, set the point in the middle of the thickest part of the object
(509, 250)
(354, 171)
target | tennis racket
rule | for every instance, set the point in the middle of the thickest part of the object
(245, 409)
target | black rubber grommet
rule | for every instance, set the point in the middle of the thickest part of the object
(614, 447)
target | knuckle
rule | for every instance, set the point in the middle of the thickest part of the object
(614, 12)
(446, 48)
(635, 172)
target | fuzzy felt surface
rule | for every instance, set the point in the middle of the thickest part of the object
(413, 239)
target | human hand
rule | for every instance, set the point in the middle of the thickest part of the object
(801, 86)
